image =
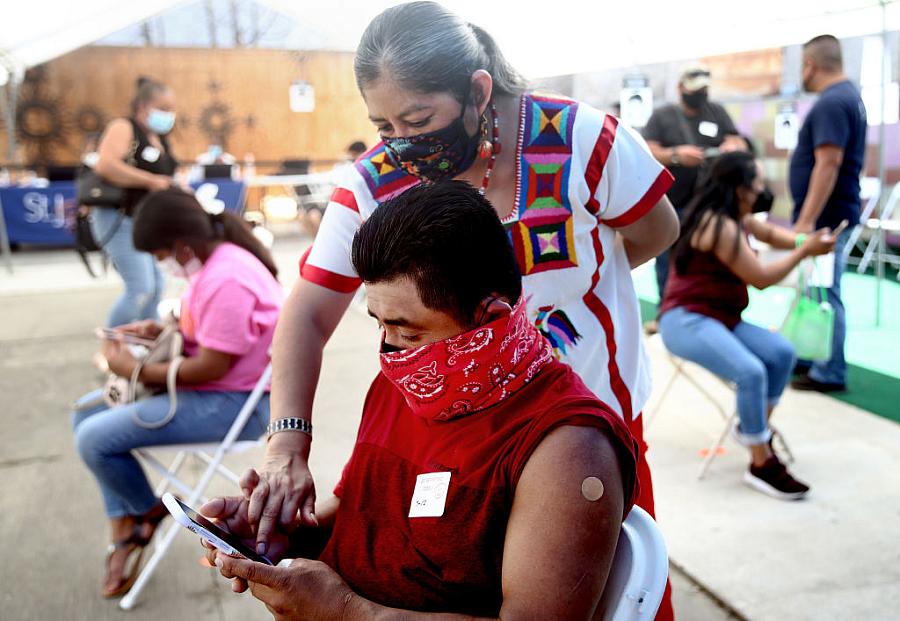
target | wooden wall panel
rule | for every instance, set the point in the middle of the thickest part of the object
(755, 73)
(248, 87)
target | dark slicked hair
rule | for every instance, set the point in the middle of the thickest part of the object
(447, 238)
(825, 50)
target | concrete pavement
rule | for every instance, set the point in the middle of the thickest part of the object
(834, 555)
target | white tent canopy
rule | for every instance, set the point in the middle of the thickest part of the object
(552, 38)
(541, 38)
(35, 32)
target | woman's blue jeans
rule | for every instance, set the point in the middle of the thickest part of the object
(143, 280)
(104, 438)
(758, 361)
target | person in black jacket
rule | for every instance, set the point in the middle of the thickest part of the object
(134, 154)
(682, 136)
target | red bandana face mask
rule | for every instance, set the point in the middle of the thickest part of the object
(471, 371)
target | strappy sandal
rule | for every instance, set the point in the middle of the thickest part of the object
(131, 569)
(152, 518)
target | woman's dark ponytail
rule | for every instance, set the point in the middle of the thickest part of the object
(238, 232)
(164, 217)
(507, 81)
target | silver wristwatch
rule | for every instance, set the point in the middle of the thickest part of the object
(289, 424)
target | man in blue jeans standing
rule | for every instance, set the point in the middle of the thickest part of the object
(824, 181)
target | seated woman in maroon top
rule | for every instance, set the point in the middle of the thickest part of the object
(487, 481)
(700, 317)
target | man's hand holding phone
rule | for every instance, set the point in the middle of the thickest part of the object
(230, 514)
(296, 589)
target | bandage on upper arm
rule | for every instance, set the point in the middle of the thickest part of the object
(592, 489)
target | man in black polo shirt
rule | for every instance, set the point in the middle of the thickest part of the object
(682, 136)
(824, 181)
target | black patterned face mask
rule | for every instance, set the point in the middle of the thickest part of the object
(764, 200)
(437, 155)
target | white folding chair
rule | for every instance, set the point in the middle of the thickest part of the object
(869, 194)
(637, 579)
(872, 223)
(209, 454)
(730, 417)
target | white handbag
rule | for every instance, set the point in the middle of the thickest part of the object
(167, 347)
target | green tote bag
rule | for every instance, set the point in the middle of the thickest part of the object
(809, 325)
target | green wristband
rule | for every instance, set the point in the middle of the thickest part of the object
(798, 241)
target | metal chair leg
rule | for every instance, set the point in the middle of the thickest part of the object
(778, 437)
(172, 473)
(714, 449)
(649, 417)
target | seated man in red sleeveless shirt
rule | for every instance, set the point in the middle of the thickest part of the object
(486, 480)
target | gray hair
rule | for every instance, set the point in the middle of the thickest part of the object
(424, 47)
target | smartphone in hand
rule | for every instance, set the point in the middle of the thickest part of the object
(840, 228)
(221, 539)
(108, 334)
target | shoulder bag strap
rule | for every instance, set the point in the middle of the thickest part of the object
(137, 133)
(686, 133)
(172, 338)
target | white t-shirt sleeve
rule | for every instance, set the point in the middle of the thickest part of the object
(631, 181)
(327, 263)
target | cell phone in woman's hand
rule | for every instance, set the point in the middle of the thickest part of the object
(840, 228)
(108, 334)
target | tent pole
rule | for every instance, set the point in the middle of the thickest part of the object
(11, 94)
(11, 98)
(882, 174)
(4, 241)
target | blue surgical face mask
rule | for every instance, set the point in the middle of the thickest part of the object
(160, 121)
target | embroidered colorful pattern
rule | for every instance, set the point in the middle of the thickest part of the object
(384, 180)
(542, 234)
(557, 328)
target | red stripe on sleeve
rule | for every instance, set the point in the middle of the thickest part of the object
(597, 161)
(657, 190)
(346, 198)
(324, 278)
(303, 259)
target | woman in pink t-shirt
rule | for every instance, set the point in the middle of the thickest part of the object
(228, 316)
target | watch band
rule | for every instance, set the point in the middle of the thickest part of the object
(289, 424)
(674, 159)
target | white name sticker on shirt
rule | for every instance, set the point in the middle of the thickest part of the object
(708, 129)
(430, 495)
(150, 154)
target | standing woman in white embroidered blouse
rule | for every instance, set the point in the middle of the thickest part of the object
(582, 199)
